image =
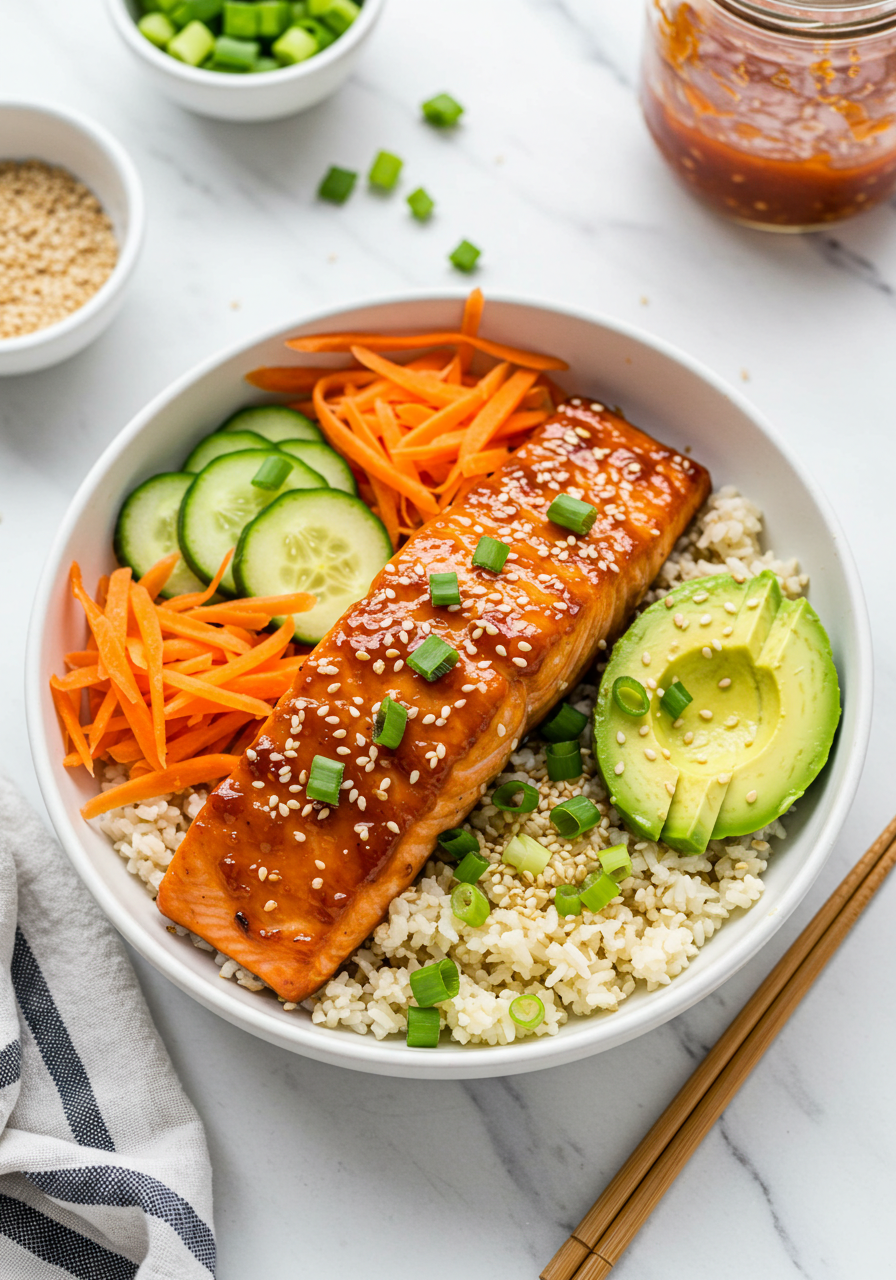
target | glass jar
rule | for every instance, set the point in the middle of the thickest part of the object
(778, 113)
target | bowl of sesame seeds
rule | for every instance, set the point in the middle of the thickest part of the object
(71, 225)
(680, 928)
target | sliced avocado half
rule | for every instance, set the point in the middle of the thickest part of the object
(765, 706)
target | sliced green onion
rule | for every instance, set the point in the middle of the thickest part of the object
(471, 868)
(572, 514)
(384, 171)
(241, 19)
(527, 1012)
(567, 900)
(490, 554)
(616, 859)
(424, 1026)
(261, 65)
(297, 45)
(437, 982)
(390, 723)
(465, 256)
(274, 16)
(325, 780)
(564, 761)
(433, 658)
(272, 473)
(470, 904)
(503, 796)
(323, 35)
(675, 699)
(572, 817)
(443, 589)
(526, 854)
(442, 110)
(183, 11)
(235, 55)
(421, 204)
(339, 15)
(563, 724)
(158, 29)
(630, 696)
(601, 890)
(457, 842)
(192, 45)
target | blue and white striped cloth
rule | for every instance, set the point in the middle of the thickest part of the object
(104, 1171)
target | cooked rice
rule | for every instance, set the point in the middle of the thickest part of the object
(665, 911)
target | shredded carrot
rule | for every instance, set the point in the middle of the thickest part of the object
(102, 721)
(193, 599)
(404, 342)
(188, 773)
(482, 464)
(212, 693)
(66, 713)
(296, 378)
(494, 414)
(147, 616)
(156, 577)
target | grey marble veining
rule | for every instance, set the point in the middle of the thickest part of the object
(328, 1173)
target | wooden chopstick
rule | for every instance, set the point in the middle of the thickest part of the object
(612, 1222)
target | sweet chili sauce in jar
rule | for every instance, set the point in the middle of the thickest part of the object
(778, 113)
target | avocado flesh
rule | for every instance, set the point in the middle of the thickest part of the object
(771, 725)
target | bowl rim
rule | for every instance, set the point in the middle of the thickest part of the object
(127, 28)
(128, 250)
(474, 1061)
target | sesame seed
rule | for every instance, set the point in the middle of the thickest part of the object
(441, 751)
(701, 759)
(501, 731)
(309, 808)
(676, 724)
(398, 665)
(724, 684)
(519, 662)
(252, 755)
(651, 755)
(414, 776)
(705, 715)
(526, 648)
(752, 603)
(670, 787)
(499, 648)
(332, 688)
(706, 651)
(729, 607)
(362, 803)
(689, 738)
(324, 813)
(300, 836)
(620, 736)
(644, 730)
(727, 631)
(645, 658)
(706, 619)
(700, 597)
(257, 785)
(295, 787)
(270, 905)
(379, 666)
(717, 645)
(331, 719)
(317, 883)
(362, 656)
(620, 768)
(751, 797)
(262, 873)
(282, 810)
(343, 751)
(467, 688)
(394, 827)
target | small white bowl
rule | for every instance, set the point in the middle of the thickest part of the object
(662, 390)
(59, 136)
(268, 96)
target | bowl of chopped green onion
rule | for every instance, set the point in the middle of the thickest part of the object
(246, 59)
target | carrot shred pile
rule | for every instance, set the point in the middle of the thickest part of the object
(419, 434)
(170, 688)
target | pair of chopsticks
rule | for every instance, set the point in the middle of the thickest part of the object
(614, 1220)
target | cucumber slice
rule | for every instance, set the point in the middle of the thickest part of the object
(220, 442)
(320, 540)
(275, 422)
(146, 530)
(320, 457)
(222, 500)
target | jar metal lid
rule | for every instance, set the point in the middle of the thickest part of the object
(837, 19)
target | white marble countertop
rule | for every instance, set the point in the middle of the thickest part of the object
(325, 1172)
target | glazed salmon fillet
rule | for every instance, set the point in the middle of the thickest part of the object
(288, 886)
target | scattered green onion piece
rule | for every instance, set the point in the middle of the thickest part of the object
(192, 45)
(389, 724)
(433, 658)
(274, 17)
(527, 1012)
(616, 859)
(526, 854)
(325, 780)
(235, 55)
(385, 170)
(323, 35)
(435, 983)
(442, 110)
(572, 514)
(572, 817)
(296, 45)
(338, 15)
(567, 900)
(563, 724)
(338, 184)
(240, 19)
(421, 204)
(502, 797)
(443, 589)
(599, 892)
(183, 11)
(158, 29)
(470, 904)
(630, 696)
(423, 1028)
(564, 761)
(471, 868)
(675, 699)
(457, 842)
(490, 554)
(272, 473)
(465, 256)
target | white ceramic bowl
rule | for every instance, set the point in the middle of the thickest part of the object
(662, 390)
(268, 96)
(57, 135)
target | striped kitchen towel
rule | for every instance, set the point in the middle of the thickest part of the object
(104, 1171)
